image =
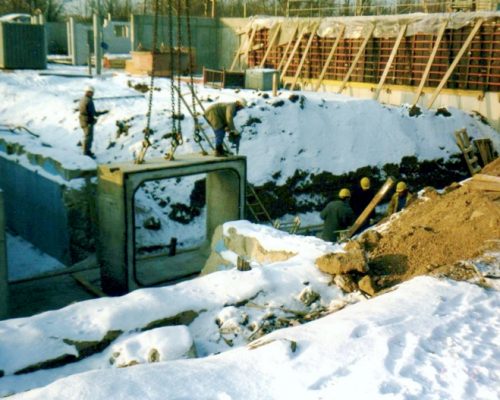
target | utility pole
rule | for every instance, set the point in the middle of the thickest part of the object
(97, 38)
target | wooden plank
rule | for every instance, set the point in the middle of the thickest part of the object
(356, 59)
(290, 58)
(389, 62)
(304, 56)
(487, 178)
(428, 67)
(389, 183)
(455, 62)
(283, 58)
(270, 46)
(482, 185)
(239, 52)
(330, 57)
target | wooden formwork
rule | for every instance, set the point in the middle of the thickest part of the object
(477, 69)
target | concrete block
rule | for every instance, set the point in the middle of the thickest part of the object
(117, 184)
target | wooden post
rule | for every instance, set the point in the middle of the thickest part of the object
(275, 84)
(250, 43)
(238, 52)
(330, 57)
(389, 62)
(304, 56)
(455, 62)
(270, 46)
(283, 58)
(429, 62)
(356, 59)
(297, 44)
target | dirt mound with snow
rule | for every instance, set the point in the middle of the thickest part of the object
(438, 231)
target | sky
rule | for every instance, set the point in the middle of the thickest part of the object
(428, 338)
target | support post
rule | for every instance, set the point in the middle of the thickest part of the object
(439, 37)
(356, 59)
(455, 62)
(290, 58)
(389, 62)
(283, 58)
(330, 57)
(270, 46)
(304, 56)
(97, 43)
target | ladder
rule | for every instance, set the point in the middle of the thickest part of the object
(467, 149)
(255, 206)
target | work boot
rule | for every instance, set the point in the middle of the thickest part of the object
(219, 151)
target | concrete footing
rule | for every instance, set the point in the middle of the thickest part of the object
(117, 184)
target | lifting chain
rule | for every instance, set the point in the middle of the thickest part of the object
(147, 130)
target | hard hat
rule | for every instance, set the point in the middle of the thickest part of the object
(242, 102)
(365, 183)
(401, 187)
(344, 193)
(89, 88)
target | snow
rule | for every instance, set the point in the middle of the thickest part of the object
(426, 339)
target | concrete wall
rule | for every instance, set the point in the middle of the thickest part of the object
(55, 214)
(485, 103)
(4, 287)
(81, 40)
(214, 40)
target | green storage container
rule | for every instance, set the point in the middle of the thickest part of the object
(22, 46)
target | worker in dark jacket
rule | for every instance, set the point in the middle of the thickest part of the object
(88, 118)
(362, 195)
(338, 215)
(220, 117)
(400, 199)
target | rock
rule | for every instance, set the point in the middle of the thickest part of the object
(346, 283)
(353, 259)
(152, 223)
(367, 285)
(369, 239)
(308, 296)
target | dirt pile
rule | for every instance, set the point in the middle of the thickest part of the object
(439, 231)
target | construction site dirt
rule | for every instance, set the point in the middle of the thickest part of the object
(437, 233)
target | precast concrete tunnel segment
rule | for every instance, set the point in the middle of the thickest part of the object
(117, 185)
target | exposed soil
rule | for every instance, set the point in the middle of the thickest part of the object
(438, 232)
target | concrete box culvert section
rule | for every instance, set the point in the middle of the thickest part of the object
(117, 185)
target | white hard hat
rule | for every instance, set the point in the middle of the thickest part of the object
(89, 88)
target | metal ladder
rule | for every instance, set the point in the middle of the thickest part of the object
(255, 206)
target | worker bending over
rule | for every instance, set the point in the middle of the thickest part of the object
(400, 199)
(220, 116)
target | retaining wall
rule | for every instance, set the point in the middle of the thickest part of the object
(49, 205)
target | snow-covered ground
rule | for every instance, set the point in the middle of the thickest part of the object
(426, 339)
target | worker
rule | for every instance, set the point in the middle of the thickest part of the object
(362, 195)
(338, 215)
(88, 118)
(400, 199)
(220, 117)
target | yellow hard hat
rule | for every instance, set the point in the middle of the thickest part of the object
(344, 193)
(401, 187)
(365, 183)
